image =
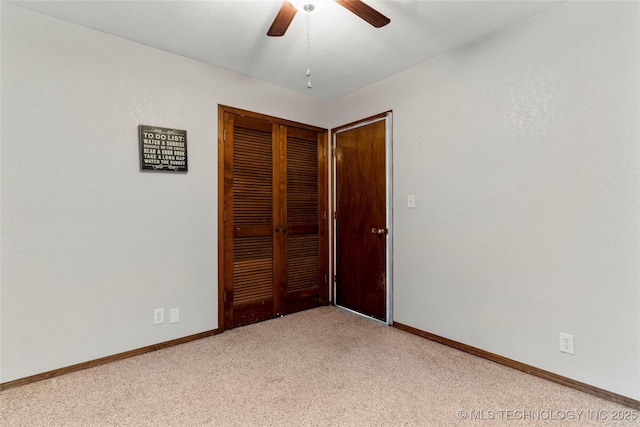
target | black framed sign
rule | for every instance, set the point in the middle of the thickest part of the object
(162, 149)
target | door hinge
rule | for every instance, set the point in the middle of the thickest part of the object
(325, 215)
(325, 278)
(224, 216)
(335, 278)
(224, 298)
(324, 152)
(335, 216)
(224, 135)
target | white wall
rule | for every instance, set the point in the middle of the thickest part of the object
(91, 245)
(523, 152)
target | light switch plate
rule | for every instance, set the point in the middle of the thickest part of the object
(174, 315)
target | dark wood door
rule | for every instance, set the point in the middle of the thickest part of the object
(250, 294)
(304, 278)
(361, 219)
(273, 257)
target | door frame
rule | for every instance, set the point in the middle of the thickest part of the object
(388, 118)
(323, 201)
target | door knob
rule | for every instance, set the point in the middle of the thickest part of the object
(378, 231)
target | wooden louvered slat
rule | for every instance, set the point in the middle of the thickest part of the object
(302, 262)
(252, 177)
(248, 248)
(252, 269)
(302, 181)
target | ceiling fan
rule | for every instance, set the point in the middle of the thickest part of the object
(288, 11)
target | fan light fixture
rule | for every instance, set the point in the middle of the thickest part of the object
(304, 5)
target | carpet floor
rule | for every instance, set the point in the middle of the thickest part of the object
(321, 367)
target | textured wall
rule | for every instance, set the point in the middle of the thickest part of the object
(91, 245)
(522, 149)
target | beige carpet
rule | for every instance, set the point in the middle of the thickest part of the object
(322, 367)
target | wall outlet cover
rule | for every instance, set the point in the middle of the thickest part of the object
(567, 343)
(158, 316)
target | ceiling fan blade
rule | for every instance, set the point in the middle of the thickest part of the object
(283, 19)
(365, 12)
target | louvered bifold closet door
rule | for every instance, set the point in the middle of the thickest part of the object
(274, 248)
(252, 295)
(303, 154)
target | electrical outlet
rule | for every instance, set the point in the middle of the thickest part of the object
(174, 315)
(158, 316)
(566, 343)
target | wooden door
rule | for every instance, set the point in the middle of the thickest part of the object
(273, 201)
(361, 223)
(304, 216)
(249, 292)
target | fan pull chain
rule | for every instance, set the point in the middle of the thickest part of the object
(308, 8)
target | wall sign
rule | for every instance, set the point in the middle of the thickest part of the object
(162, 149)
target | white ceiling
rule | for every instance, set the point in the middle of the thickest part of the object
(346, 53)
